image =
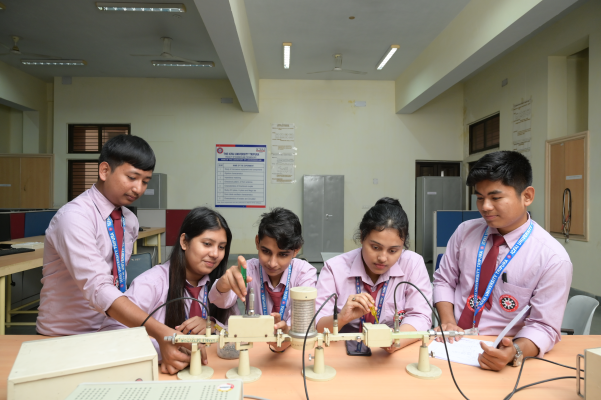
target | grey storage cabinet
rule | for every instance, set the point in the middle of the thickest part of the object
(433, 193)
(155, 196)
(323, 215)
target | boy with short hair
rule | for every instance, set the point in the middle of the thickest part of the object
(516, 259)
(87, 246)
(273, 274)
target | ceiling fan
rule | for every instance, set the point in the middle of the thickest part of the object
(338, 67)
(166, 54)
(15, 49)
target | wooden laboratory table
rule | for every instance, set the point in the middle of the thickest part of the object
(15, 263)
(381, 376)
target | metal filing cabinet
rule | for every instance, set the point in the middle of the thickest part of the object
(323, 215)
(433, 193)
(155, 196)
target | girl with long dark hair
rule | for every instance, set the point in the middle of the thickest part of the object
(365, 278)
(198, 259)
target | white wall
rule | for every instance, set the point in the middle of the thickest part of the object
(25, 93)
(184, 119)
(538, 69)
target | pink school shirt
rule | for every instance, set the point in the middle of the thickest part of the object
(303, 274)
(78, 265)
(148, 291)
(338, 276)
(540, 275)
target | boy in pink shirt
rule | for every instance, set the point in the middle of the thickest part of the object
(271, 275)
(87, 245)
(516, 261)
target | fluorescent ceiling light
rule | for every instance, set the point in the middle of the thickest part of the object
(168, 63)
(387, 56)
(54, 62)
(287, 55)
(150, 7)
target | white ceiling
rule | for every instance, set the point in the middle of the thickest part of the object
(76, 29)
(318, 29)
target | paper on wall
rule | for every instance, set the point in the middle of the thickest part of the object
(522, 133)
(283, 153)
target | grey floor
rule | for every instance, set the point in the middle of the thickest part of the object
(30, 330)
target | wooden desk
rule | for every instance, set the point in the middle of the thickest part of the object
(381, 376)
(15, 263)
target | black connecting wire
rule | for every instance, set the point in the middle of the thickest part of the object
(444, 341)
(176, 299)
(305, 341)
(516, 389)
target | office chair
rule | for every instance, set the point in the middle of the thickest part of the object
(138, 263)
(578, 316)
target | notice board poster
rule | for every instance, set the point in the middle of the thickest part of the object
(240, 175)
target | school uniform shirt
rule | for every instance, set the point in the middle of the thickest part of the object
(78, 264)
(303, 274)
(539, 275)
(148, 291)
(339, 276)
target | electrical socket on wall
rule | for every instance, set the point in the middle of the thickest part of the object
(375, 181)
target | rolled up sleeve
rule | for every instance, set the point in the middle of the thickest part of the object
(325, 287)
(77, 248)
(417, 311)
(548, 302)
(222, 300)
(446, 277)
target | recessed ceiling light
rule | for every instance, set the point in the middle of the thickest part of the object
(148, 7)
(287, 47)
(2, 7)
(387, 56)
(172, 63)
(54, 62)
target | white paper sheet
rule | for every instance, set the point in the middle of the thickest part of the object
(465, 351)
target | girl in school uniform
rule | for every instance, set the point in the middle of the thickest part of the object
(198, 259)
(272, 274)
(365, 278)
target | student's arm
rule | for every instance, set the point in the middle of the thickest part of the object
(75, 242)
(497, 359)
(548, 302)
(126, 312)
(231, 285)
(446, 281)
(417, 310)
(351, 310)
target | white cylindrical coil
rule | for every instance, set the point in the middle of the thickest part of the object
(302, 311)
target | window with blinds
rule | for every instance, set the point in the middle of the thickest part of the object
(84, 138)
(484, 135)
(82, 175)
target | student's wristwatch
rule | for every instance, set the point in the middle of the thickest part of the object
(519, 356)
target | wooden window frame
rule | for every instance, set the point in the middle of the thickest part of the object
(582, 135)
(70, 175)
(99, 127)
(483, 121)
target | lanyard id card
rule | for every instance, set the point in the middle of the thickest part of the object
(478, 304)
(120, 261)
(284, 302)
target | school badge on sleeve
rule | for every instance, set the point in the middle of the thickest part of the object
(470, 302)
(509, 303)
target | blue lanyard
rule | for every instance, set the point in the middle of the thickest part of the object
(204, 301)
(380, 301)
(479, 303)
(120, 261)
(284, 297)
